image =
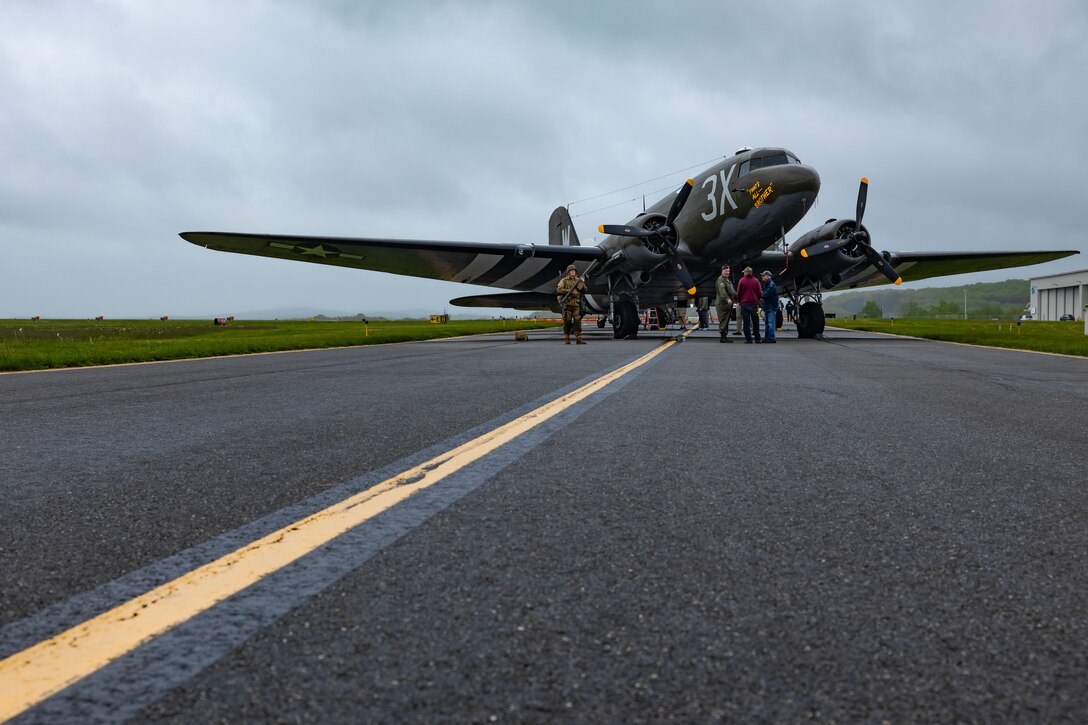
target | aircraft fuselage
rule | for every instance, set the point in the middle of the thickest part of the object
(736, 209)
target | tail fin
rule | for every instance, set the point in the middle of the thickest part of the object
(561, 229)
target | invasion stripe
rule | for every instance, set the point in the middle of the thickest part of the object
(500, 270)
(482, 263)
(527, 269)
(546, 279)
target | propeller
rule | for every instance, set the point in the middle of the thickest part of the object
(860, 238)
(662, 236)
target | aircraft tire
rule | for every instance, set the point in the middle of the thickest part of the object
(625, 320)
(810, 320)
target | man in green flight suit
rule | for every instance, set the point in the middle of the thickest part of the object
(572, 308)
(727, 293)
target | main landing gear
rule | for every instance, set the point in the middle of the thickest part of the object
(810, 320)
(625, 320)
(810, 315)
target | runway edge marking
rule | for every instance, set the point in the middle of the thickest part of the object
(36, 673)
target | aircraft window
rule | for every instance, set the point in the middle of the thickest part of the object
(763, 162)
(792, 159)
(776, 160)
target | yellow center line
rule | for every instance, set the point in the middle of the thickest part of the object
(36, 673)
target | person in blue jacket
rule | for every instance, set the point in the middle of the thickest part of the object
(770, 305)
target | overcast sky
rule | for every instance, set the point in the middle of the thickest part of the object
(124, 123)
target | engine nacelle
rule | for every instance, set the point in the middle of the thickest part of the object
(832, 269)
(831, 230)
(635, 254)
(653, 221)
(634, 260)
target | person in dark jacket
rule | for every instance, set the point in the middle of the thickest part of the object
(749, 294)
(770, 305)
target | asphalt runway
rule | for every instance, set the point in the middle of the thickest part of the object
(860, 528)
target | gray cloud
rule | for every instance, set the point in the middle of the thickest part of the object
(126, 123)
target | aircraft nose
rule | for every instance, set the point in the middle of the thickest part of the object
(796, 178)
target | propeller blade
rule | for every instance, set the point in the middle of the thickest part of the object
(621, 231)
(863, 193)
(679, 201)
(824, 248)
(680, 269)
(663, 233)
(881, 264)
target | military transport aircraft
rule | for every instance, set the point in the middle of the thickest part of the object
(738, 211)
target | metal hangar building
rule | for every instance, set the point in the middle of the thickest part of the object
(1059, 294)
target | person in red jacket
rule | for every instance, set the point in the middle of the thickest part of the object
(749, 294)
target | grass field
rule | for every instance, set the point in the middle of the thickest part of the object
(42, 344)
(1062, 337)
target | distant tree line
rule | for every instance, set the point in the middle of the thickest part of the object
(942, 308)
(1003, 300)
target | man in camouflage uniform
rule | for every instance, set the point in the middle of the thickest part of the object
(727, 294)
(572, 308)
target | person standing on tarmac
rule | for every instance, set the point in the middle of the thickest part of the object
(702, 306)
(749, 293)
(723, 303)
(572, 308)
(770, 305)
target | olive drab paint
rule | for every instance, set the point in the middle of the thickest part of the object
(738, 211)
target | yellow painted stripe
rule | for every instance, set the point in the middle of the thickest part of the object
(30, 676)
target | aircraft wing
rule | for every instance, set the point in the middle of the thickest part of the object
(524, 267)
(923, 265)
(912, 266)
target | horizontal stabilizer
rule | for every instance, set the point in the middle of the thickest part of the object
(513, 300)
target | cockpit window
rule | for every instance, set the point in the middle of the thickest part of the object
(763, 162)
(776, 160)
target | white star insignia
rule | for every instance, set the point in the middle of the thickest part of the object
(318, 251)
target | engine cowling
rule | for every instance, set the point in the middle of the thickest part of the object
(640, 253)
(830, 231)
(841, 244)
(659, 236)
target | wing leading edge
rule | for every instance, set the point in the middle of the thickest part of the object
(512, 300)
(923, 265)
(799, 273)
(523, 267)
